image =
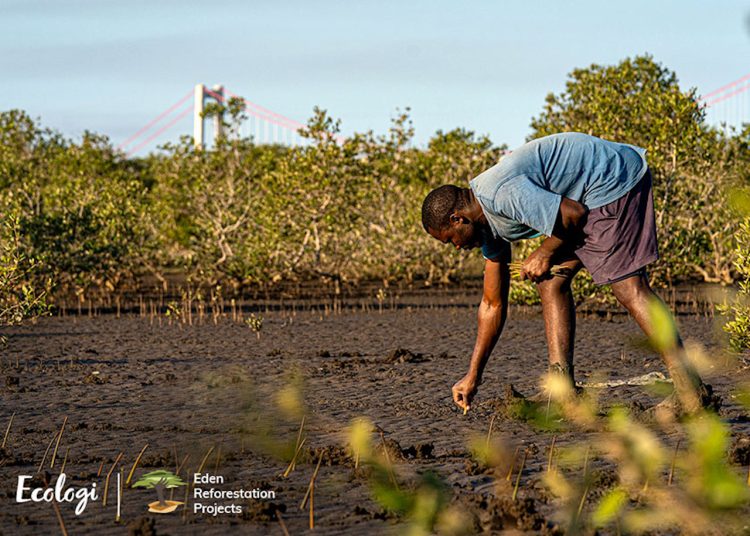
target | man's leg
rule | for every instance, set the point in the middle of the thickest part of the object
(634, 293)
(559, 313)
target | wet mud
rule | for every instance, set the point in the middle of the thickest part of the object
(211, 399)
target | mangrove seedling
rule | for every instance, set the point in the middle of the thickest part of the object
(255, 323)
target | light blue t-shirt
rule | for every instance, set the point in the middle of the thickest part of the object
(521, 194)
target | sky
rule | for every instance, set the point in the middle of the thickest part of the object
(111, 66)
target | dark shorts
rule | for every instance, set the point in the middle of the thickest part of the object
(620, 237)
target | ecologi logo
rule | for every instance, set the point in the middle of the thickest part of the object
(160, 481)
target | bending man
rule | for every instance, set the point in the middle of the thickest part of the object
(592, 200)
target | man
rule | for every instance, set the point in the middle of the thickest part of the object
(592, 200)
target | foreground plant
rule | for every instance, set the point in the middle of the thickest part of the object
(423, 503)
(706, 492)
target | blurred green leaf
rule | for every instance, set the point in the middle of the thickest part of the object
(609, 507)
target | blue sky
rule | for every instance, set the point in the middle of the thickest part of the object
(111, 66)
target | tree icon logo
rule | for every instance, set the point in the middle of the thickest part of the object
(160, 481)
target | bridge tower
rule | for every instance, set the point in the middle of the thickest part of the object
(200, 95)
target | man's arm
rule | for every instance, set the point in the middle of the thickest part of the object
(493, 310)
(571, 217)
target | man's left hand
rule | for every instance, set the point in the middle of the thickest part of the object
(537, 266)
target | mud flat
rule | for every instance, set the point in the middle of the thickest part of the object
(207, 397)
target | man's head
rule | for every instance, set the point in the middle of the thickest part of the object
(452, 214)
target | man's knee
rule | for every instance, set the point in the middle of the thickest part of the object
(554, 286)
(632, 290)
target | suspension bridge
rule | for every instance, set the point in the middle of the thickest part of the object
(729, 105)
(726, 107)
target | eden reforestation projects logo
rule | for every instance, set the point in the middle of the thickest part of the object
(208, 498)
(160, 481)
(205, 495)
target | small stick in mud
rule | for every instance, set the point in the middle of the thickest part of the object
(466, 409)
(185, 505)
(518, 478)
(312, 481)
(58, 514)
(583, 500)
(312, 504)
(185, 459)
(281, 522)
(205, 459)
(674, 460)
(7, 430)
(135, 464)
(119, 495)
(293, 463)
(106, 480)
(57, 444)
(586, 460)
(65, 460)
(388, 459)
(551, 451)
(44, 458)
(218, 459)
(99, 472)
(297, 449)
(299, 435)
(512, 464)
(489, 432)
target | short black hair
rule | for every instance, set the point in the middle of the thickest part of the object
(439, 204)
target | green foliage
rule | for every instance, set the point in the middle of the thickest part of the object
(257, 215)
(609, 507)
(711, 481)
(705, 491)
(81, 210)
(423, 503)
(346, 210)
(20, 296)
(738, 327)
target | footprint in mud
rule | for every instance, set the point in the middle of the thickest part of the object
(337, 455)
(503, 513)
(739, 453)
(326, 353)
(402, 355)
(364, 512)
(331, 455)
(515, 406)
(262, 511)
(142, 526)
(420, 451)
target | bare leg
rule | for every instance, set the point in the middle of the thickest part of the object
(634, 293)
(559, 313)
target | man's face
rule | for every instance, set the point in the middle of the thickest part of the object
(461, 232)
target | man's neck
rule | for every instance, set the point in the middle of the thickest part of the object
(474, 210)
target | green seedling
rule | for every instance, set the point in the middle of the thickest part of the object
(255, 323)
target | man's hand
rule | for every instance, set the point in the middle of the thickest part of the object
(464, 391)
(537, 266)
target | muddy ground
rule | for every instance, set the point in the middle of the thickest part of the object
(187, 391)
